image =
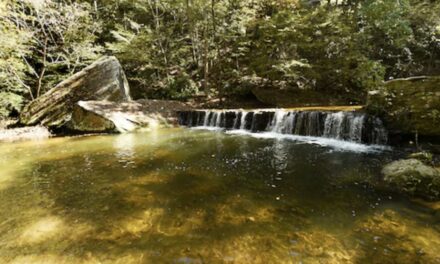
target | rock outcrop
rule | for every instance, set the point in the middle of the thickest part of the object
(102, 80)
(409, 106)
(296, 97)
(413, 177)
(104, 116)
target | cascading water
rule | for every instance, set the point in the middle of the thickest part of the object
(243, 120)
(354, 127)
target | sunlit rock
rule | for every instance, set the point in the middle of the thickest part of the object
(24, 133)
(102, 80)
(104, 116)
(413, 177)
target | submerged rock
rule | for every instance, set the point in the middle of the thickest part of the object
(394, 238)
(24, 133)
(409, 105)
(413, 177)
(104, 116)
(102, 80)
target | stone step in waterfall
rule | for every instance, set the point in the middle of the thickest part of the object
(345, 125)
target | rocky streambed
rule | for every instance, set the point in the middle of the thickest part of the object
(97, 100)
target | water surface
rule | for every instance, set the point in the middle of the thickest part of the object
(194, 196)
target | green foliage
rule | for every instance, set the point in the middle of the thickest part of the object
(182, 48)
(43, 42)
(15, 44)
(10, 103)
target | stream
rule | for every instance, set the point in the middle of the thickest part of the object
(199, 196)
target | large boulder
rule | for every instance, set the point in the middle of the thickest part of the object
(413, 177)
(102, 80)
(104, 116)
(409, 106)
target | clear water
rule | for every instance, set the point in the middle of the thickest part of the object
(194, 196)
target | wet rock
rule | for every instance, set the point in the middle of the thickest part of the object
(413, 177)
(260, 121)
(24, 133)
(104, 116)
(248, 121)
(409, 105)
(230, 119)
(102, 80)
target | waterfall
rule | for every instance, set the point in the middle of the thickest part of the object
(355, 127)
(206, 121)
(278, 121)
(289, 123)
(236, 120)
(333, 125)
(218, 121)
(243, 120)
(213, 120)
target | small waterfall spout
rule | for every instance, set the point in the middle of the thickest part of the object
(348, 126)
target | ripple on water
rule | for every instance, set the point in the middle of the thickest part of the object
(188, 196)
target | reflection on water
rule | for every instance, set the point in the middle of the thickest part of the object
(280, 156)
(187, 196)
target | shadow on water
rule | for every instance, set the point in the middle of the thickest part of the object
(203, 197)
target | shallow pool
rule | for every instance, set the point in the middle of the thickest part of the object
(195, 196)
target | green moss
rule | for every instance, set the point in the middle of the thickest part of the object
(413, 177)
(409, 105)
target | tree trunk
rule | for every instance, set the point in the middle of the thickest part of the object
(205, 66)
(43, 69)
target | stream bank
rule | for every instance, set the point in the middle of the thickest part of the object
(97, 100)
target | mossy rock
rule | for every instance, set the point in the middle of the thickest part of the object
(409, 105)
(413, 177)
(425, 157)
(295, 97)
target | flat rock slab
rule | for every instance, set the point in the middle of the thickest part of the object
(102, 80)
(104, 116)
(24, 133)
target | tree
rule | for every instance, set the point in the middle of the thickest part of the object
(46, 41)
(184, 48)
